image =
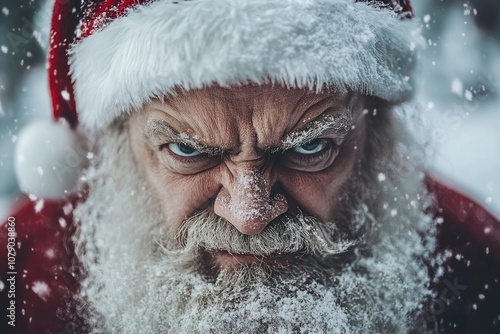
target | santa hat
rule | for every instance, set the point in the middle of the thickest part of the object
(108, 58)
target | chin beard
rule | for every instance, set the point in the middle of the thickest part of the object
(363, 273)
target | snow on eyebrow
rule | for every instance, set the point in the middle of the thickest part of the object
(161, 130)
(332, 123)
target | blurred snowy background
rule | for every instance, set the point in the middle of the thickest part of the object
(459, 91)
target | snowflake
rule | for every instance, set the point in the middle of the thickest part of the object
(41, 289)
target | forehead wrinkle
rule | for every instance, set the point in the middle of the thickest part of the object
(321, 104)
(189, 106)
(204, 113)
(278, 114)
(213, 115)
(296, 109)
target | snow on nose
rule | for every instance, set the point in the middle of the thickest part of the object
(247, 204)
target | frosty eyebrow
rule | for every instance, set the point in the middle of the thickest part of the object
(336, 124)
(339, 124)
(160, 131)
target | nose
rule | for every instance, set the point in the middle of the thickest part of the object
(247, 202)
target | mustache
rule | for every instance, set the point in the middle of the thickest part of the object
(296, 233)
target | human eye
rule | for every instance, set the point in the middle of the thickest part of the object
(314, 156)
(183, 150)
(184, 159)
(312, 147)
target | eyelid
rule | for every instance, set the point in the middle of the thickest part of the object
(186, 165)
(159, 133)
(204, 149)
(336, 139)
(165, 145)
(330, 126)
(179, 149)
(311, 162)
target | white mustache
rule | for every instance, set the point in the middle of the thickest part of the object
(304, 234)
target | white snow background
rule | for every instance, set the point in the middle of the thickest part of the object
(460, 90)
(460, 93)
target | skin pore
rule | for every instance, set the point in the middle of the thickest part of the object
(250, 154)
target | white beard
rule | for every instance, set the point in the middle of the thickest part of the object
(138, 282)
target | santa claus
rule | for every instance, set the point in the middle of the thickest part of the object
(239, 166)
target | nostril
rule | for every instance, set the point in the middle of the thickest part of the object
(248, 202)
(250, 216)
(279, 205)
(254, 216)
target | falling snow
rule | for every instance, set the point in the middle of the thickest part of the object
(457, 87)
(67, 209)
(62, 222)
(50, 253)
(65, 95)
(41, 289)
(468, 95)
(39, 205)
(475, 136)
(461, 68)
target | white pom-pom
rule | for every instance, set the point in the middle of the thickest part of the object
(49, 159)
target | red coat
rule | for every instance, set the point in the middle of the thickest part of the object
(468, 295)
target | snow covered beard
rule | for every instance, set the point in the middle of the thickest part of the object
(361, 274)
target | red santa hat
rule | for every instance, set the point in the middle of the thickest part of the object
(108, 58)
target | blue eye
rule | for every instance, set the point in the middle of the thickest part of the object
(312, 147)
(183, 150)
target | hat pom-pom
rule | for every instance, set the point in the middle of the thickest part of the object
(49, 159)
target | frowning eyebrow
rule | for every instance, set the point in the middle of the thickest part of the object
(159, 132)
(339, 124)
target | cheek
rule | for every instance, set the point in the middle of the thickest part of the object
(178, 196)
(319, 194)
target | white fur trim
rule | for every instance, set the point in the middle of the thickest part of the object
(192, 44)
(49, 159)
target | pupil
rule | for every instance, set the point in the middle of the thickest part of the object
(186, 149)
(311, 146)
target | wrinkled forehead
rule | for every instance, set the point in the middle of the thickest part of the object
(253, 97)
(261, 114)
(251, 102)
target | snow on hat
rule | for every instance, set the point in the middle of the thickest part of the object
(109, 57)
